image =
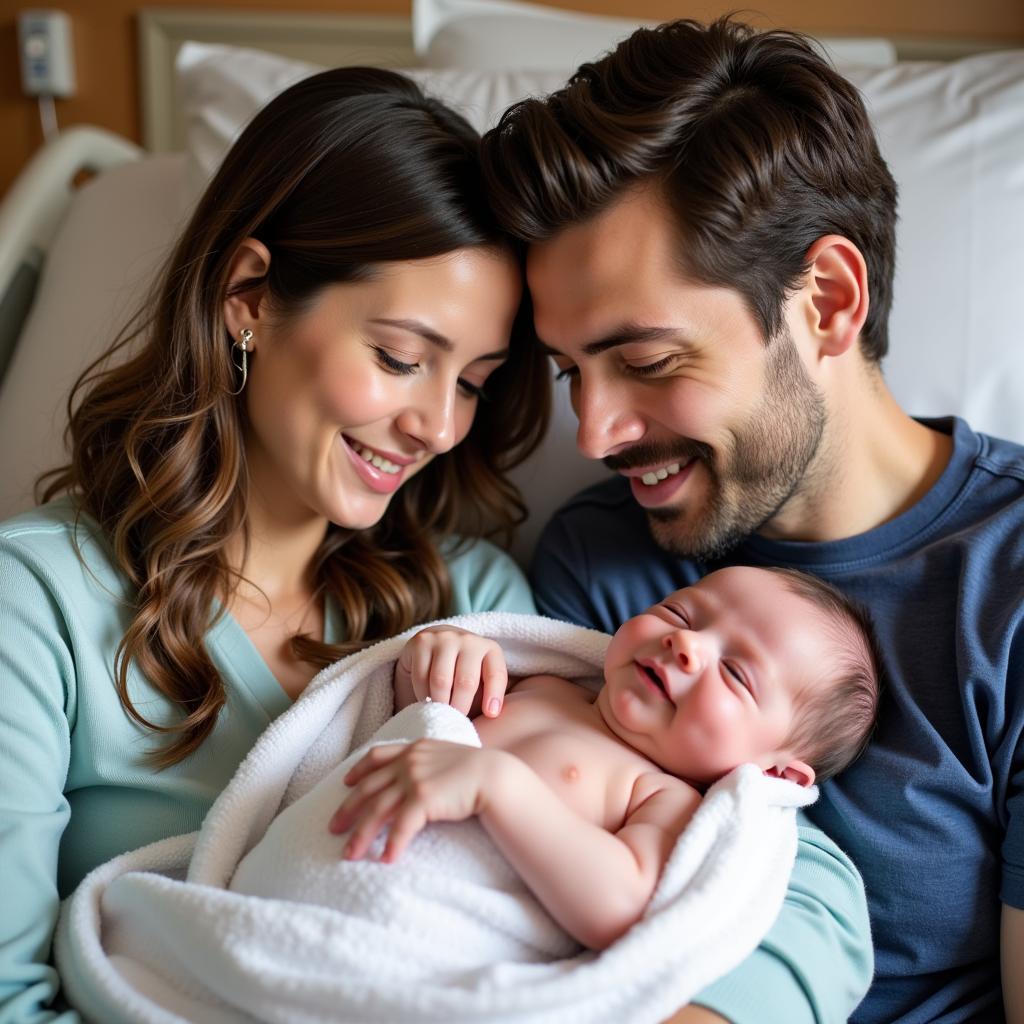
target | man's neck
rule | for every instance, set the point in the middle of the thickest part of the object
(874, 464)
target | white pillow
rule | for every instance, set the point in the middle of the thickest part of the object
(506, 34)
(220, 88)
(953, 135)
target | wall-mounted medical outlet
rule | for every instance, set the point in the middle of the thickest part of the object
(47, 64)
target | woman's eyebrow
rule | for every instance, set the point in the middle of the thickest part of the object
(417, 327)
(429, 334)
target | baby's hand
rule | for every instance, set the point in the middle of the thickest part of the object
(403, 787)
(453, 667)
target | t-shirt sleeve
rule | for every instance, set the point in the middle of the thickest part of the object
(485, 579)
(815, 964)
(1011, 890)
(36, 681)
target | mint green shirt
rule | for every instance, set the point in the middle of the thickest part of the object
(74, 786)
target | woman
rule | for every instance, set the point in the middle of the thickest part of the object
(329, 386)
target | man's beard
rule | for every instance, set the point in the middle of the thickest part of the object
(766, 462)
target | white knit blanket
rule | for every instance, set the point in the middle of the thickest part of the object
(257, 918)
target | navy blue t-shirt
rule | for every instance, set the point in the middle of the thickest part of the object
(933, 813)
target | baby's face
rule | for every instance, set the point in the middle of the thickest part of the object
(709, 678)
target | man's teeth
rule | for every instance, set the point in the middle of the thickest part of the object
(657, 475)
(384, 465)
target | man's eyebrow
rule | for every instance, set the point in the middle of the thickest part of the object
(624, 335)
(429, 334)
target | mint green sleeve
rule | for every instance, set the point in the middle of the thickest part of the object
(36, 686)
(815, 964)
(486, 579)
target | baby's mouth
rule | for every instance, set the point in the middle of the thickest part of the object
(656, 679)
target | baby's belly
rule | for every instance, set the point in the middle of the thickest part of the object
(579, 771)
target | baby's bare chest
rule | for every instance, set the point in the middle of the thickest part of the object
(592, 773)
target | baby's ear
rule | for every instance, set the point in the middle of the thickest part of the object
(795, 771)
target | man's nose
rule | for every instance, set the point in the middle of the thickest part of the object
(607, 420)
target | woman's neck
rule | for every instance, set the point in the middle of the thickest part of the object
(278, 559)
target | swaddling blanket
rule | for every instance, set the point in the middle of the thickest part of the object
(257, 918)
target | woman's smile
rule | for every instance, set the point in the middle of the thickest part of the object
(381, 473)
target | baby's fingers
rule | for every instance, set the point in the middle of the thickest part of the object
(376, 757)
(373, 817)
(406, 824)
(468, 671)
(494, 676)
(440, 675)
(352, 806)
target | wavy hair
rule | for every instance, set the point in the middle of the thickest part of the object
(344, 171)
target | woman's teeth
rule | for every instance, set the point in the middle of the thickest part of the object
(384, 465)
(657, 475)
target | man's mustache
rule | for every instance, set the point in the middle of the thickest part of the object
(640, 455)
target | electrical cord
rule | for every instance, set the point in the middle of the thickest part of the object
(48, 118)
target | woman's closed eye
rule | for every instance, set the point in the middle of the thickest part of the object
(471, 390)
(393, 365)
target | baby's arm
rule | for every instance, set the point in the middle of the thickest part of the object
(596, 884)
(452, 666)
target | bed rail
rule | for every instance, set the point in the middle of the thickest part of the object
(32, 211)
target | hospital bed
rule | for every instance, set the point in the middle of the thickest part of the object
(75, 262)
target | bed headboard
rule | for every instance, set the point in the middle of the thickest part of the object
(327, 39)
(437, 30)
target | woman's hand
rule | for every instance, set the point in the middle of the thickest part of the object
(452, 667)
(405, 786)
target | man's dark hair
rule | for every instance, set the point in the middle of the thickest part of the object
(759, 145)
(836, 716)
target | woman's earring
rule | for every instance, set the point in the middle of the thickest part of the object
(244, 337)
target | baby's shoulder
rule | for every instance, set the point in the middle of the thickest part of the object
(658, 787)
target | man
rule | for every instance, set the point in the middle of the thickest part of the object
(711, 236)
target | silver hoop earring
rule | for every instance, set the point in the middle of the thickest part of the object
(244, 337)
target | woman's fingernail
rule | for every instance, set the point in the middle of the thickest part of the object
(493, 706)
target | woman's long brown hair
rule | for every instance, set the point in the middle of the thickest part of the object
(344, 171)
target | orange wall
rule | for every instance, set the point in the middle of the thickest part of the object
(106, 67)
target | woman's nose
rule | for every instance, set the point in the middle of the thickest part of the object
(430, 421)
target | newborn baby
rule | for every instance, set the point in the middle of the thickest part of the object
(587, 795)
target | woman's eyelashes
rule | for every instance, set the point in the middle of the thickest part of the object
(398, 366)
(393, 365)
(472, 390)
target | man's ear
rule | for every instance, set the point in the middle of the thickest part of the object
(835, 294)
(246, 288)
(796, 771)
